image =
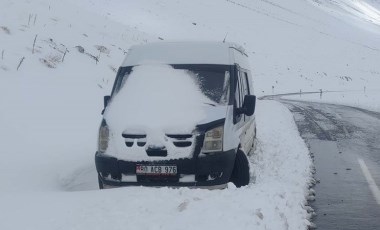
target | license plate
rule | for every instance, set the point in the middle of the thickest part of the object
(156, 170)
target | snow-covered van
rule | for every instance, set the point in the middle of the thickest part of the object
(180, 114)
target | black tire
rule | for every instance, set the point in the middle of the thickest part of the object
(100, 182)
(240, 174)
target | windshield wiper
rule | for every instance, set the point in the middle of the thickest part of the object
(209, 104)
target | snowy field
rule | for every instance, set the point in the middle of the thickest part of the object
(293, 44)
(58, 60)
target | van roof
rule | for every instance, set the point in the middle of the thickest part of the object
(222, 53)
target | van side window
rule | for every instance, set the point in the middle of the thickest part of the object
(121, 77)
(120, 82)
(244, 88)
(246, 79)
(237, 94)
(238, 98)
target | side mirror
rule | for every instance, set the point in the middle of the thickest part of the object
(106, 101)
(249, 105)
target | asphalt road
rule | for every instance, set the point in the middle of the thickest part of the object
(345, 144)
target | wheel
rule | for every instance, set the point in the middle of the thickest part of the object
(240, 174)
(100, 182)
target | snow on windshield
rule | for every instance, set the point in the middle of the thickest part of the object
(212, 80)
(214, 84)
(154, 100)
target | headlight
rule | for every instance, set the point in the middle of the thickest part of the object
(103, 138)
(213, 141)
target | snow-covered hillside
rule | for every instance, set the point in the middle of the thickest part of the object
(293, 44)
(58, 59)
(362, 13)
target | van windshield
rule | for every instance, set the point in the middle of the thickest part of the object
(213, 83)
(212, 80)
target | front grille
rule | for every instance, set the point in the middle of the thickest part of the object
(181, 140)
(134, 136)
(178, 140)
(156, 152)
(130, 139)
(182, 143)
(179, 136)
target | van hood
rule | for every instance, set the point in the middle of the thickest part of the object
(213, 113)
(210, 114)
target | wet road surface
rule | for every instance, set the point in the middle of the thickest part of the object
(345, 144)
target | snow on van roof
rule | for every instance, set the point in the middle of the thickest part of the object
(183, 53)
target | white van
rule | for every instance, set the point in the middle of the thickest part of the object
(180, 114)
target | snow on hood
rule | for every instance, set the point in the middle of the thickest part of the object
(213, 113)
(155, 100)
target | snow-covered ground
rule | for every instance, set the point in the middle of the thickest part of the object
(51, 97)
(58, 190)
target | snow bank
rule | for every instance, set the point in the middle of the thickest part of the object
(275, 201)
(154, 100)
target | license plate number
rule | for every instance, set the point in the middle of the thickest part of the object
(156, 170)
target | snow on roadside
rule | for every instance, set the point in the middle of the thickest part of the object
(368, 99)
(275, 201)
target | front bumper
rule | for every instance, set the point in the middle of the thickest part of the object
(200, 171)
